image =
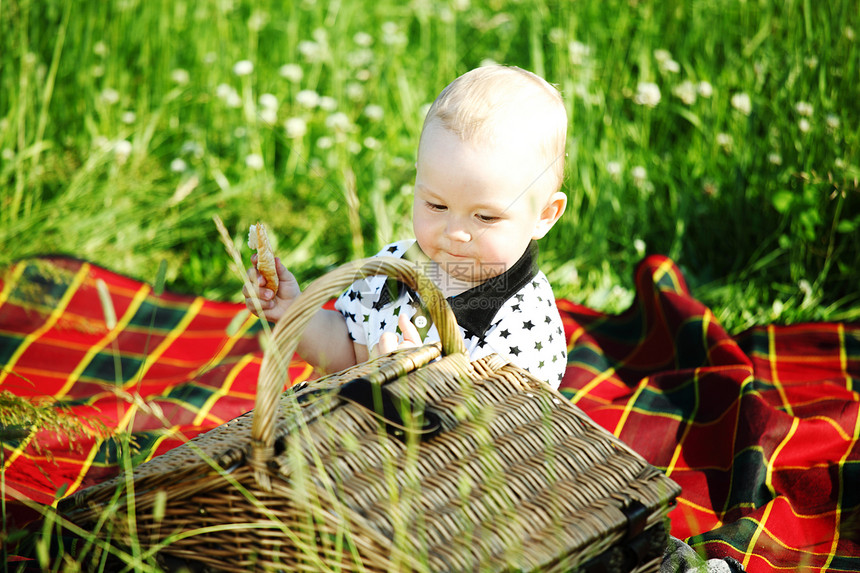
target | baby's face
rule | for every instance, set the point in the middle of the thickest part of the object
(476, 207)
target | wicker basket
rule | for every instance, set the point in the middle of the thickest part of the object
(418, 460)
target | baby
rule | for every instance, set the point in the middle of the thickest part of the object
(489, 172)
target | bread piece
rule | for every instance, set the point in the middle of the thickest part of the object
(258, 239)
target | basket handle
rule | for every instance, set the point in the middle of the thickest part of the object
(287, 332)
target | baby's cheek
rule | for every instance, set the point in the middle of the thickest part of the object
(495, 249)
(424, 233)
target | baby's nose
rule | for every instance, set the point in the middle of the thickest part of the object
(456, 230)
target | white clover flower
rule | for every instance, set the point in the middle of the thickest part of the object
(110, 96)
(839, 163)
(100, 48)
(804, 125)
(705, 89)
(742, 103)
(295, 127)
(122, 149)
(461, 5)
(240, 132)
(392, 36)
(359, 58)
(725, 141)
(803, 108)
(178, 165)
(292, 72)
(7, 154)
(487, 62)
(97, 71)
(355, 91)
(233, 100)
(777, 307)
(670, 66)
(613, 168)
(362, 39)
(210, 58)
(371, 143)
(103, 143)
(258, 20)
(832, 121)
(647, 94)
(338, 122)
(578, 52)
(269, 115)
(374, 112)
(243, 68)
(811, 62)
(180, 76)
(325, 142)
(849, 34)
(805, 287)
(311, 51)
(268, 101)
(192, 148)
(254, 161)
(353, 147)
(389, 27)
(639, 246)
(774, 158)
(320, 35)
(223, 91)
(639, 174)
(308, 98)
(328, 103)
(686, 92)
(384, 184)
(128, 117)
(662, 55)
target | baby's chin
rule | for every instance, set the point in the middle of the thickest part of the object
(465, 269)
(472, 272)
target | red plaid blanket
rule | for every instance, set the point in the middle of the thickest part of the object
(760, 429)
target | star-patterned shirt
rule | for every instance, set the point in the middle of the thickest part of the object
(513, 314)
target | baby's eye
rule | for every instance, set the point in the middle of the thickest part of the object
(487, 218)
(435, 206)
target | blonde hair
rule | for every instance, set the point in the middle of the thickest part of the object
(482, 104)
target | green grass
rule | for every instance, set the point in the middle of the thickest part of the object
(124, 128)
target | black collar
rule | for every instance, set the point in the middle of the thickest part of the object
(475, 308)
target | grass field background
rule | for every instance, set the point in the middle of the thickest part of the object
(722, 133)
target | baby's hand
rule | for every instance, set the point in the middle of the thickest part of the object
(389, 341)
(272, 304)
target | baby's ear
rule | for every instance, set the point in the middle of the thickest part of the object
(551, 213)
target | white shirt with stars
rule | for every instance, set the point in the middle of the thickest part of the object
(513, 314)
